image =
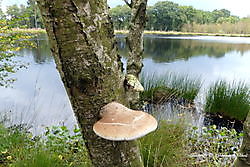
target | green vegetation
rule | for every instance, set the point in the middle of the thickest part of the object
(211, 146)
(170, 145)
(169, 87)
(121, 16)
(228, 29)
(32, 31)
(57, 148)
(25, 16)
(165, 146)
(178, 145)
(169, 16)
(229, 100)
(163, 16)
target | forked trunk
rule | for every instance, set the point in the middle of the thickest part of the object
(82, 42)
(134, 42)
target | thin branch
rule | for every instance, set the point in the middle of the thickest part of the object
(129, 4)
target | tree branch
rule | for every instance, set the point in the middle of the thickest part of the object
(129, 4)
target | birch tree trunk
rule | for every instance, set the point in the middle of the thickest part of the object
(135, 36)
(243, 159)
(82, 42)
(134, 42)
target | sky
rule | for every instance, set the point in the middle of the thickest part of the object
(237, 7)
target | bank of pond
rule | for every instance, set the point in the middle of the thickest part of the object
(174, 143)
(179, 33)
(225, 103)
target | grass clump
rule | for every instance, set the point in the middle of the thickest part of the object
(178, 145)
(57, 147)
(164, 147)
(169, 86)
(231, 100)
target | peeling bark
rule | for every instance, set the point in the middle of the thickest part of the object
(82, 42)
(243, 159)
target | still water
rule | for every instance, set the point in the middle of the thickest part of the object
(39, 99)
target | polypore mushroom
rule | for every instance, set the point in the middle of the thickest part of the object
(133, 83)
(121, 123)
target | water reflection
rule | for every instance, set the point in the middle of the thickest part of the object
(173, 49)
(210, 58)
(39, 98)
(41, 51)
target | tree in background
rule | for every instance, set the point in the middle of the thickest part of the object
(190, 13)
(34, 15)
(25, 16)
(121, 16)
(82, 40)
(169, 16)
(222, 13)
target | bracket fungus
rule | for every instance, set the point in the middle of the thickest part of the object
(120, 123)
(133, 83)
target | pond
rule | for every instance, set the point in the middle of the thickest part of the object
(39, 99)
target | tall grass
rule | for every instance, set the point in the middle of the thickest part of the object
(164, 147)
(169, 86)
(242, 27)
(231, 100)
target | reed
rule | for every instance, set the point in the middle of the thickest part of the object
(230, 100)
(169, 86)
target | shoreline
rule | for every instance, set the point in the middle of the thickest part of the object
(123, 32)
(175, 33)
(28, 30)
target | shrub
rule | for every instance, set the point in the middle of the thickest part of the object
(212, 146)
(58, 147)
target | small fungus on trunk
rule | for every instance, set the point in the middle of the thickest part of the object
(133, 83)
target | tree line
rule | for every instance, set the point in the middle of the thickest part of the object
(163, 16)
(23, 16)
(169, 16)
